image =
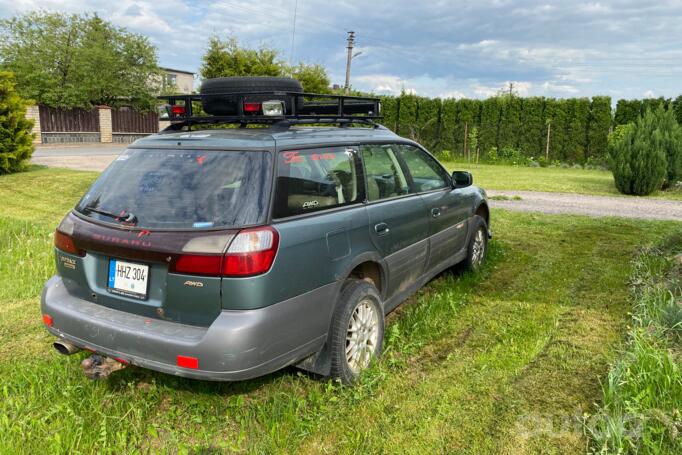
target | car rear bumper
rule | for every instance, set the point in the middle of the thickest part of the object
(237, 345)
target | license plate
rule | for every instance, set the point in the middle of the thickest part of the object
(128, 278)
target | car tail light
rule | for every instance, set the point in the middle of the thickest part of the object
(47, 320)
(198, 264)
(187, 362)
(65, 243)
(252, 108)
(252, 252)
(177, 110)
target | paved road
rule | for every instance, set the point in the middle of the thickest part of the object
(91, 157)
(97, 157)
(581, 204)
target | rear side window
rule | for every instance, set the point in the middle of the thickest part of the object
(385, 177)
(175, 189)
(316, 179)
(425, 173)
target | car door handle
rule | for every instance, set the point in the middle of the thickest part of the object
(435, 212)
(381, 228)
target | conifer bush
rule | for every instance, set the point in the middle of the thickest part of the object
(16, 137)
(639, 161)
(671, 141)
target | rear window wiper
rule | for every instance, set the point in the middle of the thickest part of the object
(124, 216)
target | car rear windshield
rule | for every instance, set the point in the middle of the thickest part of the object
(173, 189)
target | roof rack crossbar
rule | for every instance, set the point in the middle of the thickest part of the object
(305, 108)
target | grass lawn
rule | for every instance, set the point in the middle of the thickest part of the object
(499, 362)
(551, 179)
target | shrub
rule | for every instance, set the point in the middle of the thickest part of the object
(671, 142)
(16, 138)
(639, 163)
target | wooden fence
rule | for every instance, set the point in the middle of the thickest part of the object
(127, 120)
(59, 120)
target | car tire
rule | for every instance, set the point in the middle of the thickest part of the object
(478, 245)
(357, 330)
(224, 103)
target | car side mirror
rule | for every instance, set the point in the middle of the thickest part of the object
(462, 179)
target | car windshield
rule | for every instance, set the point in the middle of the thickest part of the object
(177, 189)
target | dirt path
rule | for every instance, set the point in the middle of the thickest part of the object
(582, 204)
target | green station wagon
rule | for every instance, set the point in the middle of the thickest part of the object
(225, 253)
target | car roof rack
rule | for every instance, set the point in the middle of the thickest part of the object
(304, 108)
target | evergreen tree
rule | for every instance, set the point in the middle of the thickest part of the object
(671, 143)
(533, 131)
(491, 110)
(638, 160)
(510, 123)
(389, 110)
(677, 109)
(16, 138)
(448, 121)
(598, 127)
(407, 119)
(627, 111)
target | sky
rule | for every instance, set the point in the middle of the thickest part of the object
(623, 49)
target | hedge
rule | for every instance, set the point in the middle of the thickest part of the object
(579, 127)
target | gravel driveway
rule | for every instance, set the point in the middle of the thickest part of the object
(97, 158)
(582, 204)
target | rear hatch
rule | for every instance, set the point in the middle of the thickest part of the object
(149, 236)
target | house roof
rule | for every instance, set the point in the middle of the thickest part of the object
(176, 71)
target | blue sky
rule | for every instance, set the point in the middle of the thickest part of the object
(624, 49)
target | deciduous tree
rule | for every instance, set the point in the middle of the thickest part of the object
(77, 60)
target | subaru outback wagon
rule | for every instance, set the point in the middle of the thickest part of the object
(229, 253)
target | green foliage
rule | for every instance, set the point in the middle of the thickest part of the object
(16, 138)
(677, 109)
(639, 162)
(534, 128)
(627, 111)
(473, 141)
(313, 78)
(671, 143)
(389, 110)
(77, 60)
(598, 126)
(225, 58)
(491, 110)
(407, 116)
(510, 122)
(642, 396)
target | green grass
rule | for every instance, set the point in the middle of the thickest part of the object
(551, 179)
(642, 396)
(505, 361)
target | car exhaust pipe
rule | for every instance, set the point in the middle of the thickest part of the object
(65, 347)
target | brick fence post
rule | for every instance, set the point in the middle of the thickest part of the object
(105, 131)
(33, 113)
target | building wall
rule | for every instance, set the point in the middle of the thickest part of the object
(184, 82)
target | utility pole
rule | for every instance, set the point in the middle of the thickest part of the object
(511, 89)
(351, 42)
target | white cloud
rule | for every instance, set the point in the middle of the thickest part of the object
(649, 94)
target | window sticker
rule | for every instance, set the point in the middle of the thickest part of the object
(293, 157)
(203, 224)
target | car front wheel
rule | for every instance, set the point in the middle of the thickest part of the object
(357, 330)
(478, 245)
